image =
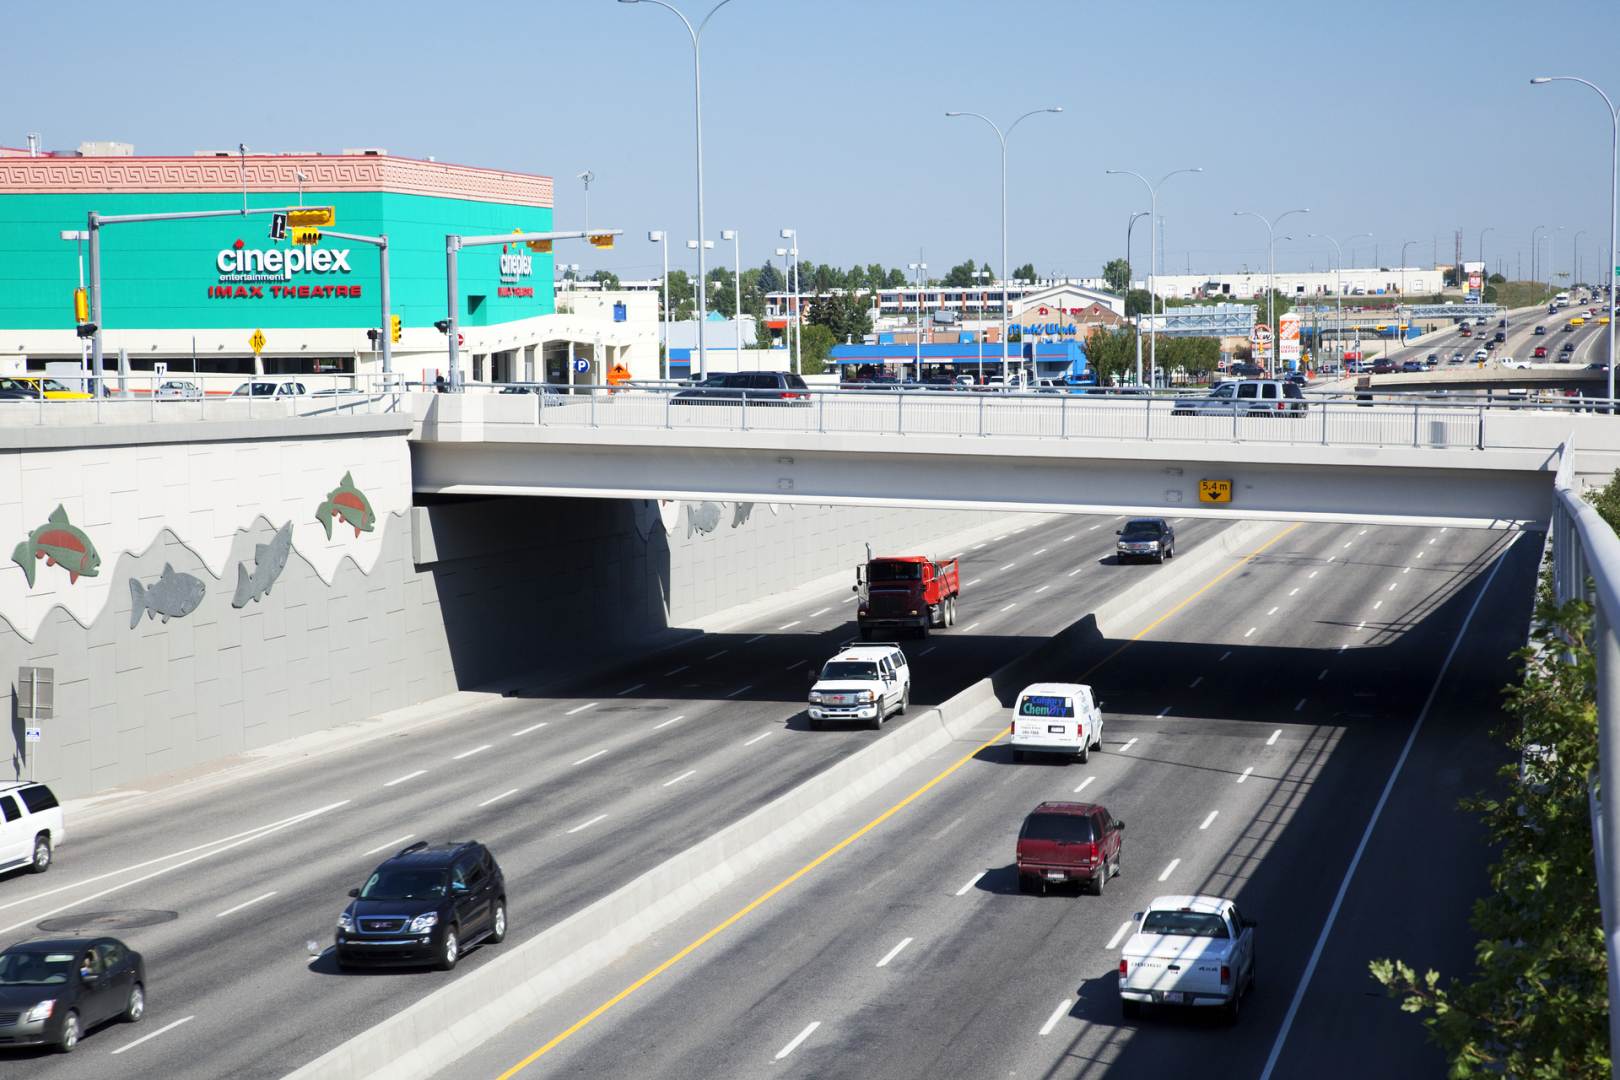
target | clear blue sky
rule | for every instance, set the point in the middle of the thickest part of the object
(1404, 119)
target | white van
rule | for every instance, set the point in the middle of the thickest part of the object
(30, 826)
(1056, 718)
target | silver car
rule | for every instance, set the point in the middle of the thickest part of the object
(178, 390)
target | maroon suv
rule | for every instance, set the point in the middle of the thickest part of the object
(1068, 841)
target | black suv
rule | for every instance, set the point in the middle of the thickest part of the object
(1145, 538)
(752, 387)
(426, 905)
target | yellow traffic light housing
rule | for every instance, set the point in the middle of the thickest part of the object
(312, 217)
(393, 328)
(302, 237)
(602, 240)
(543, 247)
(81, 305)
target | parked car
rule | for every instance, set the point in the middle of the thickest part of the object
(868, 683)
(1187, 950)
(178, 390)
(425, 906)
(1246, 397)
(54, 991)
(1056, 718)
(266, 388)
(1061, 842)
(32, 827)
(1145, 538)
(51, 389)
(748, 387)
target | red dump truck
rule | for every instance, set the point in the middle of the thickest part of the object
(906, 591)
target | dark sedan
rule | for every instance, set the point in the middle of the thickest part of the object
(52, 992)
(750, 387)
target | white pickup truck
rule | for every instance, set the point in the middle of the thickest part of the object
(1188, 950)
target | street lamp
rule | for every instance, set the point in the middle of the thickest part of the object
(1153, 265)
(1002, 136)
(978, 276)
(1129, 225)
(1398, 334)
(1575, 260)
(1611, 816)
(787, 327)
(1535, 252)
(1338, 288)
(792, 236)
(1271, 273)
(1482, 232)
(916, 269)
(697, 114)
(587, 176)
(658, 237)
(736, 286)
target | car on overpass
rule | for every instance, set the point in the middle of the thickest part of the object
(746, 388)
(52, 389)
(1246, 397)
(1412, 365)
(1539, 353)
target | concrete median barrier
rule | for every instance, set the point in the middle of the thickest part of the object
(429, 1036)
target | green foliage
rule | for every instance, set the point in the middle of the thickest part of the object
(762, 334)
(769, 278)
(1117, 272)
(1024, 273)
(722, 293)
(845, 317)
(814, 344)
(1137, 302)
(1112, 354)
(961, 275)
(608, 278)
(1196, 356)
(1497, 279)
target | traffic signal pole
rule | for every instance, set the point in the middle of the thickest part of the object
(386, 327)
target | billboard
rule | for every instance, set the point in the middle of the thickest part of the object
(1476, 282)
(1288, 336)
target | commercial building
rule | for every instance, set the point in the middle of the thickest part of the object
(1373, 281)
(191, 294)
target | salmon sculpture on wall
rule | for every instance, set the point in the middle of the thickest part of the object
(349, 505)
(59, 543)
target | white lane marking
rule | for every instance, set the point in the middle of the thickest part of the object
(793, 665)
(1083, 784)
(1391, 587)
(1163, 711)
(1312, 574)
(978, 547)
(1075, 571)
(1377, 604)
(1209, 820)
(530, 728)
(1066, 539)
(740, 689)
(970, 581)
(1330, 558)
(958, 555)
(1347, 543)
(821, 611)
(791, 625)
(1301, 706)
(216, 847)
(1038, 551)
(1119, 935)
(1274, 736)
(1010, 606)
(1245, 775)
(756, 738)
(591, 757)
(586, 824)
(761, 637)
(1291, 592)
(582, 708)
(970, 627)
(925, 652)
(1362, 625)
(1043, 588)
(630, 689)
(1009, 566)
(389, 844)
(1165, 875)
(846, 599)
(993, 539)
(1095, 527)
(678, 779)
(245, 903)
(1432, 539)
(894, 952)
(1420, 554)
(1363, 532)
(1346, 644)
(671, 720)
(1405, 570)
(1273, 611)
(498, 798)
(1225, 654)
(155, 1034)
(972, 881)
(407, 776)
(1250, 631)
(797, 1039)
(1057, 1014)
(1372, 823)
(1194, 684)
(470, 753)
(715, 656)
(1323, 675)
(1128, 745)
(675, 670)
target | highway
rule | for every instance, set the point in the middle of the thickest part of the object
(576, 787)
(1520, 344)
(1251, 735)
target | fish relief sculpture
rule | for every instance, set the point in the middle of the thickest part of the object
(59, 543)
(269, 560)
(171, 597)
(349, 505)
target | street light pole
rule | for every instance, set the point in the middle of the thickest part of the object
(1404, 245)
(1129, 225)
(1482, 232)
(697, 113)
(1535, 253)
(659, 237)
(1002, 136)
(787, 326)
(735, 237)
(1575, 260)
(916, 269)
(792, 236)
(1153, 265)
(1271, 275)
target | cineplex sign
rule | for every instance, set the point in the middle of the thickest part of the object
(251, 273)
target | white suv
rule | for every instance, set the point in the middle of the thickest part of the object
(863, 682)
(30, 826)
(1056, 718)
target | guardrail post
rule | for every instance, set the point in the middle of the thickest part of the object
(899, 412)
(1063, 416)
(1414, 424)
(982, 399)
(593, 407)
(1325, 407)
(745, 409)
(669, 409)
(1234, 421)
(1147, 419)
(1481, 435)
(821, 412)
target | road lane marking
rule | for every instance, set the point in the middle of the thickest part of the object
(846, 599)
(675, 670)
(1066, 539)
(1163, 711)
(1274, 737)
(498, 798)
(820, 611)
(581, 708)
(972, 881)
(1119, 935)
(1362, 625)
(1009, 566)
(530, 728)
(1432, 539)
(630, 689)
(1043, 588)
(756, 738)
(1057, 1014)
(1010, 606)
(797, 1039)
(790, 625)
(389, 844)
(894, 952)
(1420, 554)
(470, 753)
(1095, 527)
(1250, 631)
(853, 837)
(678, 779)
(993, 539)
(1038, 551)
(1165, 876)
(1292, 591)
(793, 665)
(1312, 574)
(1391, 587)
(1404, 570)
(1301, 706)
(1225, 654)
(715, 656)
(977, 547)
(671, 720)
(761, 637)
(245, 904)
(407, 776)
(1245, 775)
(1128, 745)
(1323, 675)
(1075, 571)
(1363, 532)
(1083, 784)
(1273, 611)
(591, 757)
(1377, 604)
(1378, 809)
(1209, 820)
(925, 652)
(1194, 684)
(155, 1034)
(970, 628)
(970, 581)
(740, 689)
(1330, 558)
(586, 824)
(1348, 543)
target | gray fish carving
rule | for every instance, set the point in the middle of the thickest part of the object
(740, 512)
(173, 596)
(269, 560)
(703, 517)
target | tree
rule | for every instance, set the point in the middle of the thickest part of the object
(770, 278)
(845, 317)
(960, 276)
(1112, 354)
(762, 334)
(1137, 302)
(608, 278)
(680, 295)
(1497, 279)
(1024, 273)
(722, 291)
(815, 343)
(1117, 273)
(895, 279)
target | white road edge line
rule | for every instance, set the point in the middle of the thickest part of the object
(1119, 935)
(756, 738)
(586, 824)
(497, 798)
(407, 776)
(1372, 822)
(1057, 1014)
(388, 844)
(1165, 875)
(245, 903)
(797, 1039)
(532, 727)
(155, 1034)
(894, 952)
(1213, 814)
(470, 753)
(972, 881)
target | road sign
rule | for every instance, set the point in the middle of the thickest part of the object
(278, 226)
(1215, 491)
(581, 364)
(460, 341)
(31, 734)
(312, 217)
(256, 342)
(1261, 334)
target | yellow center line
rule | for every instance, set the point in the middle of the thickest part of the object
(759, 900)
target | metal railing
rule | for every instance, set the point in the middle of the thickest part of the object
(144, 397)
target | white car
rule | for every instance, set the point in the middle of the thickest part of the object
(1196, 951)
(1056, 718)
(269, 389)
(31, 827)
(178, 390)
(868, 683)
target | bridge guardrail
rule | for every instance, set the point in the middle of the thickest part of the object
(140, 397)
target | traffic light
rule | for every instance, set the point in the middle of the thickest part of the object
(81, 305)
(393, 328)
(602, 240)
(372, 335)
(542, 247)
(312, 216)
(86, 330)
(301, 237)
(442, 326)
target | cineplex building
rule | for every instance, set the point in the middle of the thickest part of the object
(197, 295)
